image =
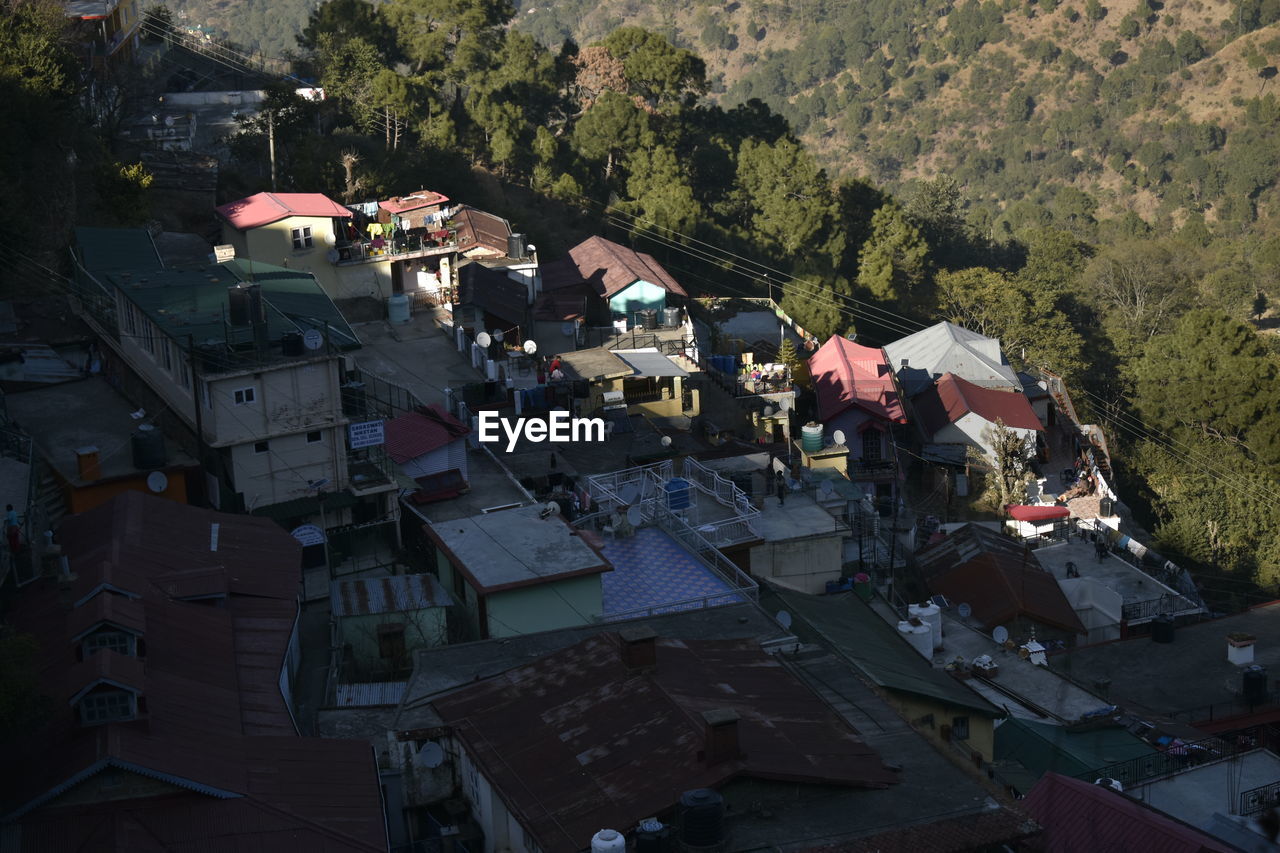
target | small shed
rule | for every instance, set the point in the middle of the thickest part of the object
(382, 621)
(428, 441)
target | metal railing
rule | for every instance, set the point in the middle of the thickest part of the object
(725, 491)
(1140, 611)
(1257, 800)
(1180, 756)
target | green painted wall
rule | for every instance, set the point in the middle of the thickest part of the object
(640, 296)
(422, 629)
(545, 607)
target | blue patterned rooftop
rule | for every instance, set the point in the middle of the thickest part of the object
(651, 570)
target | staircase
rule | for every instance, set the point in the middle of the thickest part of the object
(49, 505)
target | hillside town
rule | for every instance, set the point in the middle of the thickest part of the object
(365, 524)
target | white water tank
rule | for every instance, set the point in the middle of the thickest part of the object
(608, 841)
(930, 614)
(919, 635)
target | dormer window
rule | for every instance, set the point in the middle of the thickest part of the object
(118, 641)
(108, 706)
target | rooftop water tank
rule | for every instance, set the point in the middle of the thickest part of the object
(930, 614)
(653, 837)
(398, 309)
(1254, 684)
(648, 318)
(1162, 629)
(919, 635)
(678, 493)
(701, 817)
(608, 841)
(811, 437)
(148, 448)
(291, 344)
(670, 316)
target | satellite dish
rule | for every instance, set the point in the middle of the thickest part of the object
(635, 516)
(838, 437)
(312, 339)
(784, 619)
(666, 441)
(1000, 635)
(567, 329)
(483, 339)
(965, 611)
(768, 411)
(551, 508)
(532, 248)
(497, 335)
(785, 404)
(852, 336)
(330, 239)
(157, 481)
(430, 755)
(629, 495)
(530, 347)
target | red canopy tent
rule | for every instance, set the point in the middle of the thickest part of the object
(1037, 514)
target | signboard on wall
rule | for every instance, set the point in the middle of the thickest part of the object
(308, 534)
(366, 434)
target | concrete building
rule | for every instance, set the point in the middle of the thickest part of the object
(105, 31)
(628, 282)
(517, 571)
(381, 622)
(250, 361)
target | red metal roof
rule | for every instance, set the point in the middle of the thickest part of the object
(577, 740)
(1035, 514)
(846, 374)
(1077, 815)
(212, 721)
(414, 201)
(611, 268)
(265, 208)
(420, 432)
(998, 576)
(951, 398)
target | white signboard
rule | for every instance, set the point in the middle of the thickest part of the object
(367, 434)
(308, 534)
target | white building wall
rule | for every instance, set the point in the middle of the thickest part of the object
(452, 455)
(502, 832)
(969, 430)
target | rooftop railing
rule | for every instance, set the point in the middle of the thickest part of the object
(1179, 756)
(1259, 799)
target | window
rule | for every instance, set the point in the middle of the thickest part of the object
(261, 447)
(166, 354)
(148, 336)
(960, 728)
(184, 374)
(118, 641)
(391, 641)
(243, 396)
(106, 706)
(315, 437)
(302, 237)
(871, 441)
(205, 394)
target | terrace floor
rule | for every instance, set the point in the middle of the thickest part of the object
(652, 571)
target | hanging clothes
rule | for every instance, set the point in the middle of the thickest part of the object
(375, 229)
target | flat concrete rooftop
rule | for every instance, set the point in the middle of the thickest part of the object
(1194, 796)
(419, 357)
(796, 518)
(515, 547)
(1131, 584)
(491, 486)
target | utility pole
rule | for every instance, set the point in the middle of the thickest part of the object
(271, 144)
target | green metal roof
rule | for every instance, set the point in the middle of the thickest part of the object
(1041, 747)
(875, 648)
(102, 249)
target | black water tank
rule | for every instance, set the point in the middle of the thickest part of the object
(653, 837)
(148, 448)
(649, 318)
(515, 246)
(1255, 684)
(291, 344)
(701, 817)
(1106, 507)
(1162, 629)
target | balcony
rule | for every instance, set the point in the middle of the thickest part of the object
(369, 472)
(414, 244)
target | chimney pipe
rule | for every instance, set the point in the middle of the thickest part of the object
(87, 463)
(639, 647)
(722, 736)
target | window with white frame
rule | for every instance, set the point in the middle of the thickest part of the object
(302, 237)
(166, 354)
(243, 396)
(205, 393)
(118, 641)
(184, 373)
(107, 706)
(148, 335)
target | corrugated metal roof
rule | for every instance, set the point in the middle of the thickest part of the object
(611, 267)
(264, 208)
(388, 595)
(650, 362)
(102, 249)
(846, 374)
(370, 695)
(577, 740)
(948, 348)
(1077, 815)
(952, 398)
(418, 433)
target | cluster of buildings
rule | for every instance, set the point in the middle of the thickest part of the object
(285, 597)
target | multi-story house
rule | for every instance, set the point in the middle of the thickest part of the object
(250, 360)
(105, 31)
